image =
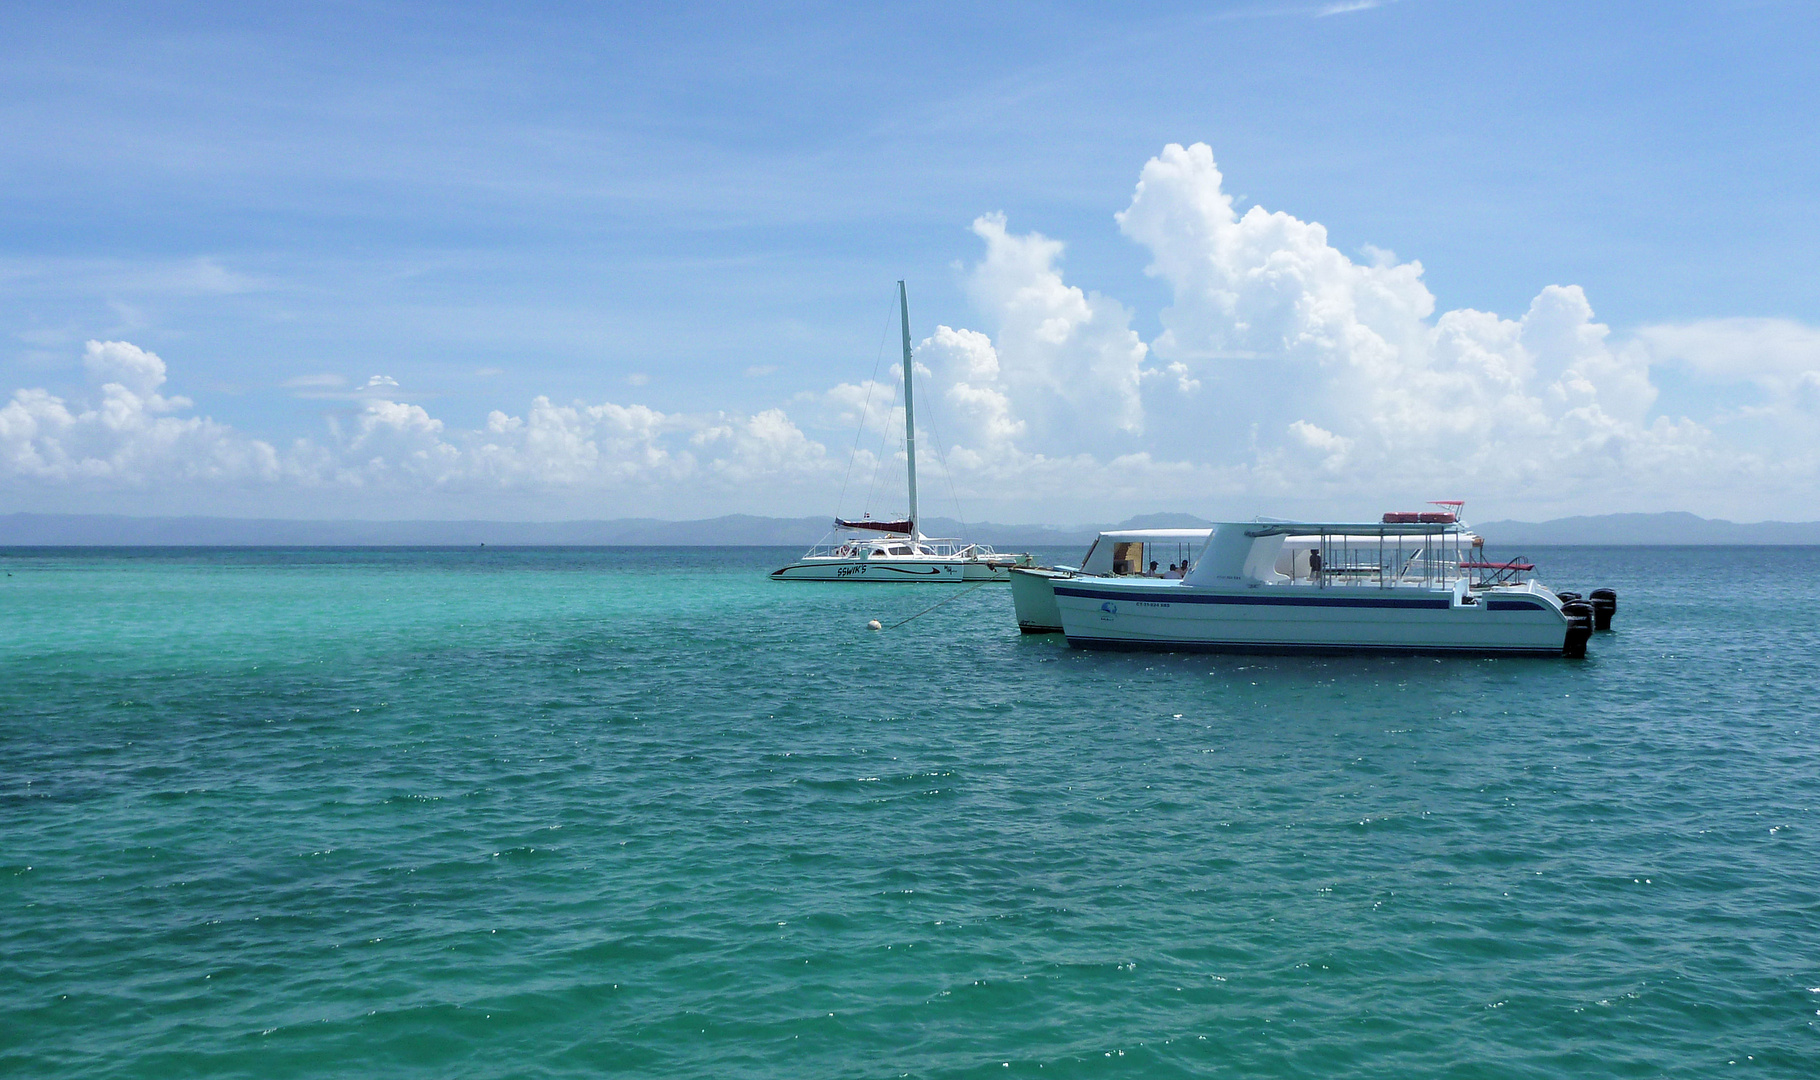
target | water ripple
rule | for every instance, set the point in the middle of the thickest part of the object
(562, 813)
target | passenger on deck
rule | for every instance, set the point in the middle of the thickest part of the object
(1153, 572)
(1177, 573)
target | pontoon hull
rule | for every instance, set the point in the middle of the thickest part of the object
(1033, 596)
(1098, 613)
(899, 569)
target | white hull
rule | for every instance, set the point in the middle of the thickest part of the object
(1109, 613)
(901, 569)
(1033, 595)
(1117, 552)
(902, 553)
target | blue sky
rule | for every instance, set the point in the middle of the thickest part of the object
(339, 240)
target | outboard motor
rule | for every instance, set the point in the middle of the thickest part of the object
(1604, 606)
(1566, 596)
(1579, 628)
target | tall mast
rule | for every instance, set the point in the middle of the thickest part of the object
(903, 300)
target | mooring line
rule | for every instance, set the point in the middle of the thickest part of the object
(939, 603)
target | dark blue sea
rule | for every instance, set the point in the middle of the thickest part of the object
(565, 813)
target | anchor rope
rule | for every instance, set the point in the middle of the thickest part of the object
(939, 603)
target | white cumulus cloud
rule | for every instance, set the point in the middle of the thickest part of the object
(128, 438)
(1069, 358)
(125, 433)
(1288, 377)
(1330, 373)
(1777, 358)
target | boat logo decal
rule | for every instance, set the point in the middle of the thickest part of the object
(1108, 611)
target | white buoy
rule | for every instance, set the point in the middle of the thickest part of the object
(874, 625)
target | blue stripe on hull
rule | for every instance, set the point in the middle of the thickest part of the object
(1290, 648)
(1187, 597)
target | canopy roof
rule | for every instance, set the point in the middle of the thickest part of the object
(1157, 535)
(1346, 528)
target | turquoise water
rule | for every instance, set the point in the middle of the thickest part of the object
(569, 813)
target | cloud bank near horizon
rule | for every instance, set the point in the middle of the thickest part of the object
(1288, 377)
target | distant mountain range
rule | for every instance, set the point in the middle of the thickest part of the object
(738, 530)
(735, 530)
(1677, 528)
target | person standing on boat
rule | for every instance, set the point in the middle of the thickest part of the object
(1314, 564)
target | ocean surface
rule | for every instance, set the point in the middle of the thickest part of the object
(551, 813)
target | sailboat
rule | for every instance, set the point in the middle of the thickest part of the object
(896, 550)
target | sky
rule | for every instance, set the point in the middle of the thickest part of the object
(553, 261)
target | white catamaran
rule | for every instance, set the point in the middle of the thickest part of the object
(1411, 583)
(869, 550)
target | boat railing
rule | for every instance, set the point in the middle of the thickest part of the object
(835, 546)
(1491, 575)
(1424, 558)
(951, 547)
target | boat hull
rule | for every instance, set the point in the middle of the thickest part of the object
(1170, 616)
(925, 567)
(1033, 596)
(981, 570)
(903, 570)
